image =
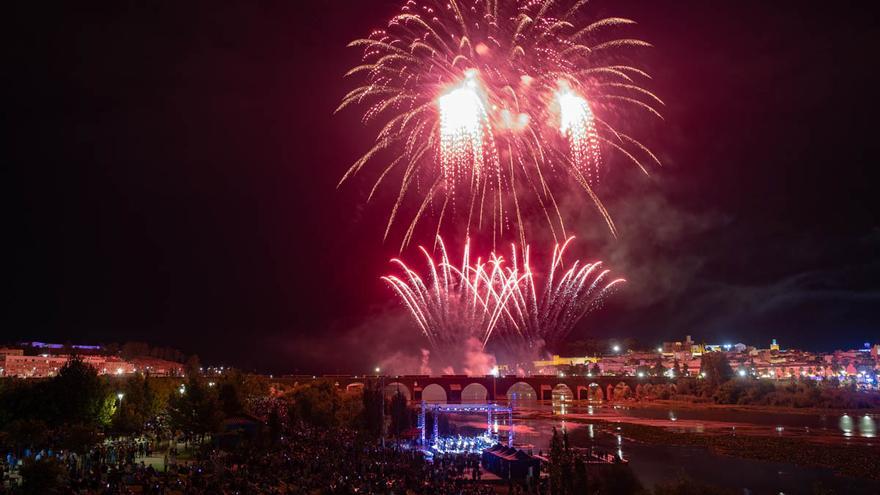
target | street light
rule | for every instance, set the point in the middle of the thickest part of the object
(381, 406)
(119, 396)
(616, 348)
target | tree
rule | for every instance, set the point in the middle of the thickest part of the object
(716, 368)
(658, 369)
(80, 395)
(566, 476)
(195, 408)
(400, 418)
(131, 410)
(580, 480)
(351, 410)
(193, 366)
(557, 461)
(79, 438)
(237, 390)
(274, 422)
(315, 403)
(156, 396)
(230, 398)
(373, 402)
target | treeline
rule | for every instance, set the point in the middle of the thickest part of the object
(719, 384)
(77, 408)
(319, 403)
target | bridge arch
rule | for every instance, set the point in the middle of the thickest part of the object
(474, 392)
(592, 392)
(562, 392)
(522, 391)
(434, 393)
(621, 391)
(394, 388)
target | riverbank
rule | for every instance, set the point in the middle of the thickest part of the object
(704, 406)
(858, 461)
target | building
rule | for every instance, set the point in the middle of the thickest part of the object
(157, 367)
(670, 348)
(558, 360)
(44, 365)
(13, 363)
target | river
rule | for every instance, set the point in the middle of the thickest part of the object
(587, 425)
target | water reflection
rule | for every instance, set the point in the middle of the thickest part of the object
(868, 426)
(535, 421)
(846, 425)
(561, 396)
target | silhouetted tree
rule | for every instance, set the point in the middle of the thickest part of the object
(372, 409)
(716, 368)
(195, 410)
(400, 418)
(79, 395)
(658, 369)
(315, 403)
(230, 398)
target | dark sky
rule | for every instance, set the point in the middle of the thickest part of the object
(173, 169)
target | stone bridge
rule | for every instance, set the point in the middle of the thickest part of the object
(462, 388)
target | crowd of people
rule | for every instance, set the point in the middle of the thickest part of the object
(305, 460)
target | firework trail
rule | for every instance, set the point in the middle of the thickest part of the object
(497, 104)
(455, 303)
(544, 312)
(491, 300)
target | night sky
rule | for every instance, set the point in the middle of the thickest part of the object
(174, 167)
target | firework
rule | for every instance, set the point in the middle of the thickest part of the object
(493, 300)
(499, 104)
(544, 312)
(455, 303)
